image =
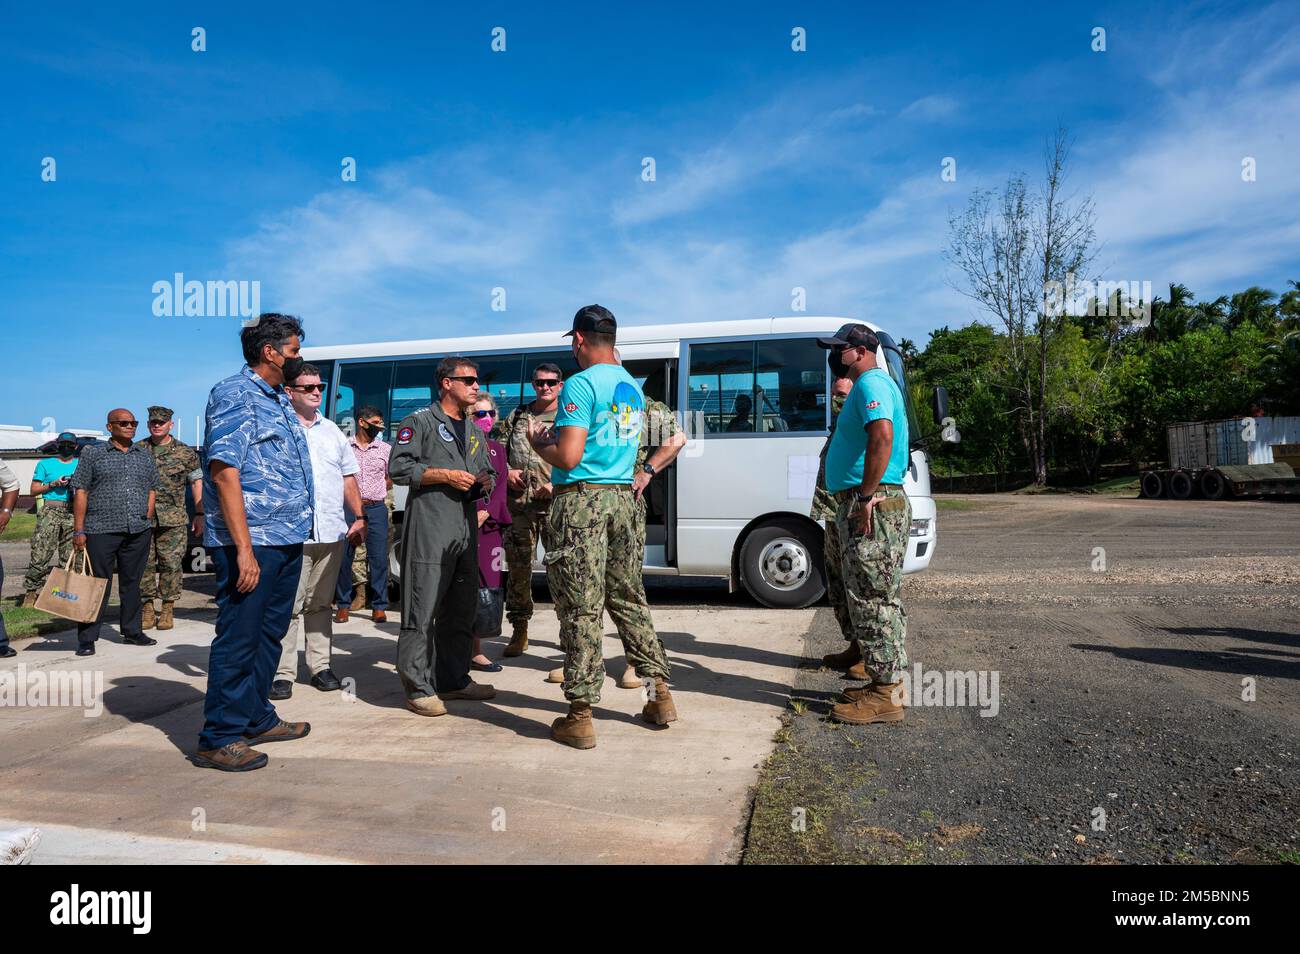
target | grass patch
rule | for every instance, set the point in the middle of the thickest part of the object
(952, 504)
(21, 525)
(24, 623)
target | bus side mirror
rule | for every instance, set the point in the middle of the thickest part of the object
(939, 403)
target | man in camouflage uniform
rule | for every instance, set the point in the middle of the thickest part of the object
(53, 533)
(360, 564)
(662, 434)
(594, 561)
(177, 464)
(528, 497)
(823, 508)
(865, 467)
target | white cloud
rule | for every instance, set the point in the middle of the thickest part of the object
(930, 108)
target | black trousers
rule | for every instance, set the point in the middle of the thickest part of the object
(126, 553)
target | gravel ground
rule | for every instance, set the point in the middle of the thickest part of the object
(1120, 697)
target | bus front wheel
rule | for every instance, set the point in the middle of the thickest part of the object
(780, 567)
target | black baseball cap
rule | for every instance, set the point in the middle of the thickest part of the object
(595, 318)
(852, 335)
(67, 436)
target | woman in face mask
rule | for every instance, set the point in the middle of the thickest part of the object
(493, 518)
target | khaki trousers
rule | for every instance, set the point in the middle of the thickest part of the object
(313, 610)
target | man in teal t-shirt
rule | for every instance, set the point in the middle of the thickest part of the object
(593, 561)
(53, 533)
(865, 465)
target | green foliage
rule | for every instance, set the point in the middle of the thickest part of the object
(1110, 396)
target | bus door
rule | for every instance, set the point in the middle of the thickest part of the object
(656, 377)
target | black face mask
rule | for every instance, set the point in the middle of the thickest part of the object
(835, 358)
(370, 429)
(292, 367)
(65, 450)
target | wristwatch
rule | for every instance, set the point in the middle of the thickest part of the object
(648, 468)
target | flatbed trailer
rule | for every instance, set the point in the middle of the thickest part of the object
(1221, 482)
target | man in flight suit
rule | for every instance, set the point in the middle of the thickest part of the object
(445, 464)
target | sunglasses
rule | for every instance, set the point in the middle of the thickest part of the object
(125, 423)
(546, 383)
(463, 378)
(307, 388)
(155, 423)
(488, 413)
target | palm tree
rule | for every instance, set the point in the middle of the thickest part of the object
(1171, 317)
(1209, 314)
(1254, 305)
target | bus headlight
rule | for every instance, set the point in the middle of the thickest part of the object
(920, 526)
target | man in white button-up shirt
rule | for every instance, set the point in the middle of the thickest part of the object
(334, 469)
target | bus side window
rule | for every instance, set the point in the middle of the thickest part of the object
(361, 385)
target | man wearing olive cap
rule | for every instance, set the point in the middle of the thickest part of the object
(177, 465)
(865, 465)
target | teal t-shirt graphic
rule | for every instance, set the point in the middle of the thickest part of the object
(51, 469)
(874, 397)
(606, 401)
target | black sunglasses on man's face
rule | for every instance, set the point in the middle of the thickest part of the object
(465, 379)
(546, 383)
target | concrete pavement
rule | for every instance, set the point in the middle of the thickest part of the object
(374, 783)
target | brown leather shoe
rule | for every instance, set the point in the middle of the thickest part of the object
(234, 757)
(843, 660)
(659, 708)
(380, 616)
(359, 600)
(165, 621)
(284, 732)
(858, 671)
(575, 729)
(870, 704)
(147, 617)
(477, 691)
(341, 614)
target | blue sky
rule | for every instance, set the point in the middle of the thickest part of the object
(522, 169)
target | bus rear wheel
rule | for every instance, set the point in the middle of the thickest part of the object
(781, 566)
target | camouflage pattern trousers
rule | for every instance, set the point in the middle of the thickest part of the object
(835, 579)
(53, 534)
(872, 568)
(162, 569)
(594, 564)
(520, 542)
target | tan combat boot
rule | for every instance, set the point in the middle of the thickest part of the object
(852, 654)
(858, 671)
(659, 708)
(29, 599)
(426, 706)
(147, 618)
(518, 640)
(165, 620)
(575, 729)
(630, 679)
(358, 601)
(555, 675)
(877, 702)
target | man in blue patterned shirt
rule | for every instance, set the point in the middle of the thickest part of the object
(258, 498)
